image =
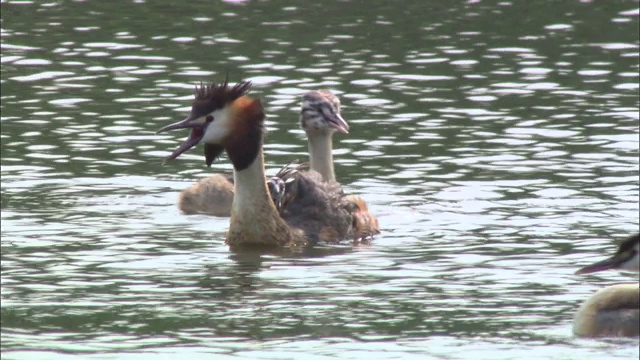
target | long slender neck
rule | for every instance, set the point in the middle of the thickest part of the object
(254, 218)
(250, 186)
(321, 154)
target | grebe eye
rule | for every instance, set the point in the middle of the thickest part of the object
(209, 118)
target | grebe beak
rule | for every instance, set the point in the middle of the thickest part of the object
(337, 122)
(182, 124)
(197, 133)
(615, 262)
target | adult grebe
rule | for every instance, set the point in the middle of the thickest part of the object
(614, 310)
(226, 119)
(319, 117)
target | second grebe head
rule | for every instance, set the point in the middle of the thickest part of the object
(276, 188)
(320, 112)
(626, 258)
(280, 184)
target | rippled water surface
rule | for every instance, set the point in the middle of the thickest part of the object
(497, 142)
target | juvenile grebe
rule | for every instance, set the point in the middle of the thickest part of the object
(319, 117)
(225, 119)
(614, 310)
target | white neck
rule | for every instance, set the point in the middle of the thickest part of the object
(250, 187)
(254, 217)
(321, 154)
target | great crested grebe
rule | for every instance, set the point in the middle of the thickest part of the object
(319, 117)
(226, 119)
(614, 310)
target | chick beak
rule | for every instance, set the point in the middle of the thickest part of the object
(337, 122)
(277, 200)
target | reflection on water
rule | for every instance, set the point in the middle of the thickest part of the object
(496, 142)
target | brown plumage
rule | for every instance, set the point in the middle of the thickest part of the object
(314, 210)
(302, 201)
(212, 195)
(613, 311)
(365, 224)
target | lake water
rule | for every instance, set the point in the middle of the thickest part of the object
(497, 142)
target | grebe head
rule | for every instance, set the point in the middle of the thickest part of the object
(223, 117)
(280, 185)
(320, 112)
(626, 258)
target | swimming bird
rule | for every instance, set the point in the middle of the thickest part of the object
(613, 311)
(225, 118)
(319, 117)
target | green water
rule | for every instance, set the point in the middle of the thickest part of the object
(497, 142)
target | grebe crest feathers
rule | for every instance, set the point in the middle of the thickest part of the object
(221, 116)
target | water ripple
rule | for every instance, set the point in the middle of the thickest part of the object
(498, 159)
